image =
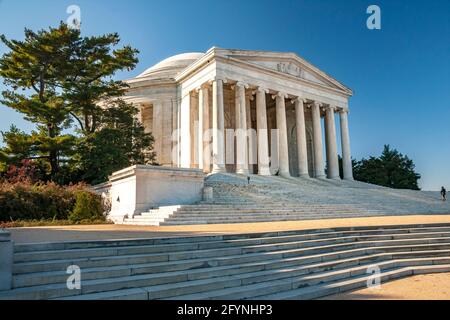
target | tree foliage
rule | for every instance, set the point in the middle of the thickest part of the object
(121, 141)
(63, 83)
(392, 169)
(34, 66)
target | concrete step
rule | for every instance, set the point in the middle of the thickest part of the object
(265, 214)
(241, 219)
(246, 285)
(46, 277)
(326, 289)
(257, 206)
(244, 213)
(174, 251)
(253, 220)
(250, 252)
(230, 238)
(236, 266)
(250, 289)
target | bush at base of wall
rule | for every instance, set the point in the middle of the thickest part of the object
(48, 201)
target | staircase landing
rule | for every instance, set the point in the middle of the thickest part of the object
(268, 199)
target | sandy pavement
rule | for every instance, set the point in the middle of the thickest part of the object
(422, 287)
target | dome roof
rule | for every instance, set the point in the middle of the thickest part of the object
(170, 67)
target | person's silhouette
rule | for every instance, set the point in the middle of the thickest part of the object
(444, 194)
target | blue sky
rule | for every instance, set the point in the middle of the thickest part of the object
(400, 74)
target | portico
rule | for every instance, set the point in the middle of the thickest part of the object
(244, 112)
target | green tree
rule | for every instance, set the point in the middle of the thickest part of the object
(66, 82)
(34, 67)
(120, 142)
(18, 146)
(92, 66)
(392, 169)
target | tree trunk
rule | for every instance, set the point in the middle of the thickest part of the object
(53, 155)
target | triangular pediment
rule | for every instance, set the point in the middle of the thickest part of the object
(286, 63)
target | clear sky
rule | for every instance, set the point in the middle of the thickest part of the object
(400, 74)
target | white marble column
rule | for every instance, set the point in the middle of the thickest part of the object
(282, 134)
(176, 133)
(200, 130)
(139, 115)
(319, 171)
(206, 130)
(185, 131)
(263, 137)
(251, 140)
(218, 127)
(158, 129)
(241, 130)
(346, 155)
(301, 138)
(331, 144)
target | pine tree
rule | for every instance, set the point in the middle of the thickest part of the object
(32, 69)
(60, 80)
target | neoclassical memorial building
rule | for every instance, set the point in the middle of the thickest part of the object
(194, 103)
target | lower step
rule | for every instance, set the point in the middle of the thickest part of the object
(327, 289)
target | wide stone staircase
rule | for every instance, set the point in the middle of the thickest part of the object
(303, 264)
(267, 199)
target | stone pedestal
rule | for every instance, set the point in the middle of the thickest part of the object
(6, 260)
(140, 188)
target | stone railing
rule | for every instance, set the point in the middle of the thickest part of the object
(6, 260)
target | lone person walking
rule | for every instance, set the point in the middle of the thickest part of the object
(443, 194)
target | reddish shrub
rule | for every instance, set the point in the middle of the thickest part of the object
(27, 171)
(24, 200)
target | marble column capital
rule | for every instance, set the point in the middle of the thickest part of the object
(279, 94)
(298, 100)
(260, 90)
(218, 79)
(317, 104)
(242, 85)
(204, 86)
